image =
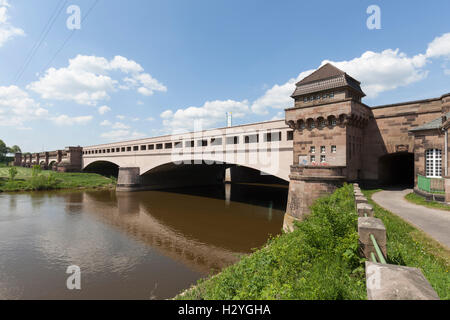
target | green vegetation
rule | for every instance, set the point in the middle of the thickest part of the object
(416, 199)
(25, 179)
(410, 247)
(318, 260)
(4, 150)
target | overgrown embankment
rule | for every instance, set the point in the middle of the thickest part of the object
(319, 260)
(408, 246)
(26, 179)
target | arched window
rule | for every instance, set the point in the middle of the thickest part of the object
(433, 163)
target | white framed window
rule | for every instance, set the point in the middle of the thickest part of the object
(312, 149)
(323, 149)
(433, 163)
(333, 149)
(313, 159)
(323, 159)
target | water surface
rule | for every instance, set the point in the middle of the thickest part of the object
(143, 245)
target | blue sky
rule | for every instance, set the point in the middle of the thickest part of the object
(145, 68)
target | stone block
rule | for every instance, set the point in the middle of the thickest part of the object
(366, 227)
(391, 282)
(364, 208)
(360, 199)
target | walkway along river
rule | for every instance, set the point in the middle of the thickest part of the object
(143, 245)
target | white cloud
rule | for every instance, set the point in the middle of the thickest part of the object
(88, 80)
(120, 125)
(120, 117)
(65, 120)
(7, 31)
(439, 47)
(104, 109)
(279, 96)
(105, 123)
(122, 135)
(204, 117)
(150, 119)
(17, 107)
(383, 71)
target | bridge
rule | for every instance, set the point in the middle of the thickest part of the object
(256, 151)
(328, 137)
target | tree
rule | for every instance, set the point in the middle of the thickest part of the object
(3, 150)
(15, 149)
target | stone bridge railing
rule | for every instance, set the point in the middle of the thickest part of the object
(386, 281)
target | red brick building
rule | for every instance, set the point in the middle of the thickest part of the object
(338, 138)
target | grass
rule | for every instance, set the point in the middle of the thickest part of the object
(47, 180)
(416, 199)
(317, 261)
(408, 246)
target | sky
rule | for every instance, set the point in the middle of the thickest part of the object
(138, 68)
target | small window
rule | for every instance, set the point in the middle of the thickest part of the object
(113, 150)
(232, 140)
(254, 138)
(168, 145)
(136, 148)
(290, 135)
(305, 99)
(151, 147)
(323, 159)
(313, 159)
(323, 149)
(117, 149)
(331, 95)
(202, 143)
(128, 149)
(189, 144)
(178, 144)
(216, 141)
(322, 123)
(312, 149)
(272, 136)
(159, 146)
(333, 122)
(123, 149)
(333, 149)
(143, 148)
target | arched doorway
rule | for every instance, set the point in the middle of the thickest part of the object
(396, 169)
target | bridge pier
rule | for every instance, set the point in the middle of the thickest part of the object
(308, 183)
(129, 179)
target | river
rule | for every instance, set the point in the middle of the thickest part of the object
(141, 245)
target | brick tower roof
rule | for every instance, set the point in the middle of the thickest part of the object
(325, 78)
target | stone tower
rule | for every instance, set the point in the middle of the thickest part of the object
(328, 119)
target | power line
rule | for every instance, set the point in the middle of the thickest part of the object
(69, 37)
(48, 26)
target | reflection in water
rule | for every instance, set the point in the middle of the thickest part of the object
(139, 245)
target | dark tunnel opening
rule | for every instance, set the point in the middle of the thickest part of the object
(397, 170)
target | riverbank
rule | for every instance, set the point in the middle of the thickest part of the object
(318, 260)
(409, 246)
(50, 180)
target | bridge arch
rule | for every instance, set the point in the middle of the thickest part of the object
(105, 168)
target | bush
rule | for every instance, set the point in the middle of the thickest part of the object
(12, 173)
(36, 170)
(318, 260)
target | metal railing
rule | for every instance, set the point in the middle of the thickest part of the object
(378, 251)
(430, 185)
